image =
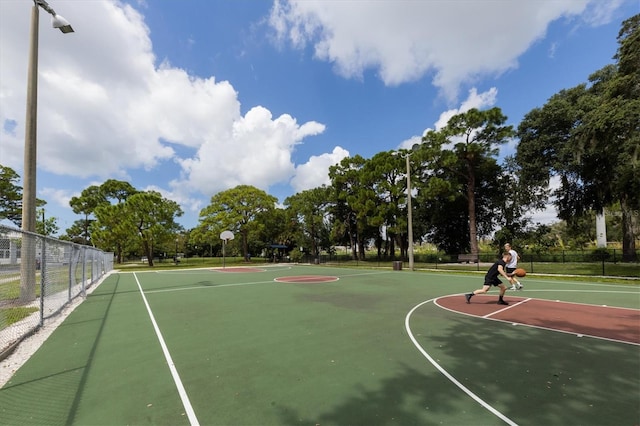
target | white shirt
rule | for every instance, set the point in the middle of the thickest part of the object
(514, 259)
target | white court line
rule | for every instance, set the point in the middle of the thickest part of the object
(204, 287)
(172, 367)
(366, 273)
(207, 287)
(446, 374)
(511, 306)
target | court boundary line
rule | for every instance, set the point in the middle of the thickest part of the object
(193, 420)
(209, 287)
(455, 381)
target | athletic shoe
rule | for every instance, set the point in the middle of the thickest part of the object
(513, 287)
(520, 286)
(468, 297)
(502, 302)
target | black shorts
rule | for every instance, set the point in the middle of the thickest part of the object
(496, 282)
(510, 270)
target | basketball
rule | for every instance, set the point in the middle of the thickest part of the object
(520, 272)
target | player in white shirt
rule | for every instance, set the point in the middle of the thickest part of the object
(512, 265)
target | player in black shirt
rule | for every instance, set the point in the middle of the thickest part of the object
(492, 279)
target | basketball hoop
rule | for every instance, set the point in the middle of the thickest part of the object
(225, 236)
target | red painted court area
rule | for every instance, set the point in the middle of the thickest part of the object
(606, 322)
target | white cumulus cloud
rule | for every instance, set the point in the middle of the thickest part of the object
(315, 172)
(107, 107)
(454, 42)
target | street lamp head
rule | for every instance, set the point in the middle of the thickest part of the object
(405, 152)
(58, 21)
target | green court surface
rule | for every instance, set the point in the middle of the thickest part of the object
(238, 347)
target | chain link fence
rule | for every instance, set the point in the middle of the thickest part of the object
(598, 262)
(39, 276)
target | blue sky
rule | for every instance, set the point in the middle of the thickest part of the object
(194, 97)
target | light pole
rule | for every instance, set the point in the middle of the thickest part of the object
(409, 214)
(409, 210)
(176, 257)
(28, 251)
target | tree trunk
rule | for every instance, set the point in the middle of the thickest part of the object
(354, 249)
(628, 236)
(314, 243)
(361, 253)
(400, 244)
(245, 245)
(392, 245)
(471, 199)
(148, 249)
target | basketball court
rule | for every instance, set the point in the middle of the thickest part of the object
(293, 344)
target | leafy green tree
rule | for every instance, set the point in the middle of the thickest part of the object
(10, 196)
(611, 126)
(112, 234)
(442, 209)
(48, 225)
(119, 218)
(113, 231)
(614, 227)
(443, 215)
(202, 242)
(237, 210)
(309, 208)
(541, 239)
(279, 227)
(75, 233)
(589, 137)
(385, 172)
(153, 218)
(581, 231)
(85, 204)
(116, 190)
(466, 147)
(354, 203)
(518, 200)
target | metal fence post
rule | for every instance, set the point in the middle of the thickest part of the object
(84, 266)
(43, 270)
(531, 263)
(71, 280)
